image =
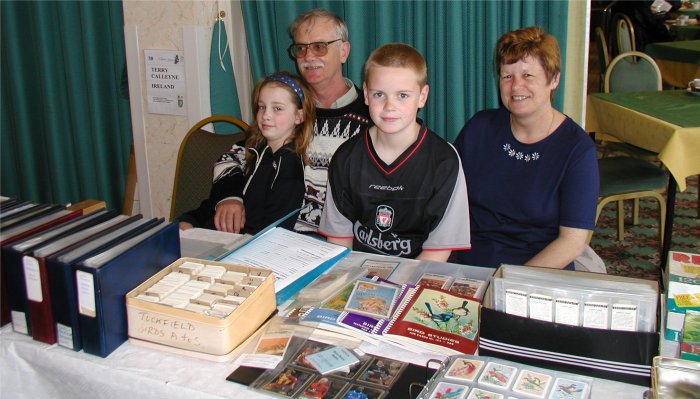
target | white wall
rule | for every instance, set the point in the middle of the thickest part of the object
(177, 25)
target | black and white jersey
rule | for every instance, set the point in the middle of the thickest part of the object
(419, 202)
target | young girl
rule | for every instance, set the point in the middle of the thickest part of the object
(271, 184)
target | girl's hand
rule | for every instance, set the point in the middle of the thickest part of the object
(230, 216)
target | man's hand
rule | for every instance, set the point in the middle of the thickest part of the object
(185, 226)
(230, 216)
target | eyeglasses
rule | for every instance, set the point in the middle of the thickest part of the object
(298, 50)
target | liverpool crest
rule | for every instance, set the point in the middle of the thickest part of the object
(384, 218)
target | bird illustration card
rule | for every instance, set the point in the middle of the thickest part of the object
(498, 375)
(565, 388)
(464, 369)
(373, 299)
(448, 390)
(478, 393)
(532, 383)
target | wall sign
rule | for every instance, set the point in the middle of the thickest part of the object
(165, 82)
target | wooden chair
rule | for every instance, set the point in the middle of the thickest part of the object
(195, 160)
(603, 54)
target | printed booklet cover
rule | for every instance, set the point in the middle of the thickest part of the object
(435, 319)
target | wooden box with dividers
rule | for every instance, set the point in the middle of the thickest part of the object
(200, 307)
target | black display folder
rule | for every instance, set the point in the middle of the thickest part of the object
(61, 276)
(11, 260)
(33, 262)
(104, 280)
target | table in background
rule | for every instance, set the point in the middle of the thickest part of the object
(678, 61)
(666, 122)
(31, 369)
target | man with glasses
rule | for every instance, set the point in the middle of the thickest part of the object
(320, 48)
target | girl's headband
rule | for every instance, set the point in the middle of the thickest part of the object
(289, 82)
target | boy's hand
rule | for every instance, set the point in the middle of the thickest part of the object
(230, 216)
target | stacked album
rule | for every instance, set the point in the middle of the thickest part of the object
(68, 269)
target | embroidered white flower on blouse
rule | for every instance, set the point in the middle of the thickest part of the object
(520, 156)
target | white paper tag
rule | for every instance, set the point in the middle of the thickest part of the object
(32, 279)
(19, 322)
(566, 311)
(623, 317)
(595, 315)
(516, 303)
(541, 307)
(86, 293)
(65, 335)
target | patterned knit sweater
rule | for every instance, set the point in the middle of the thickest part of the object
(332, 128)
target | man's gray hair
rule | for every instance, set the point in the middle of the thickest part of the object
(341, 28)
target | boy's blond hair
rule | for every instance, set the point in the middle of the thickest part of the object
(398, 55)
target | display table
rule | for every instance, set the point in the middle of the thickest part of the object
(30, 369)
(666, 122)
(679, 62)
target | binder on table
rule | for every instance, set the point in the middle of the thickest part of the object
(33, 263)
(61, 275)
(103, 281)
(14, 276)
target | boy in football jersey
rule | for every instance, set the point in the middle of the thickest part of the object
(397, 188)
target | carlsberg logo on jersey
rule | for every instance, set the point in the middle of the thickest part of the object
(389, 244)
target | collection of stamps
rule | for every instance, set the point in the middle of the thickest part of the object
(479, 377)
(370, 378)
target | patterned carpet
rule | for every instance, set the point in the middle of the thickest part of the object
(638, 254)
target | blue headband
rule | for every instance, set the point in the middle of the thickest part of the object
(289, 82)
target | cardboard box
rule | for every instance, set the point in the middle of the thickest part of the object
(682, 291)
(617, 355)
(201, 334)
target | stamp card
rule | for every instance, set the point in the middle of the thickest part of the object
(498, 375)
(532, 383)
(323, 387)
(478, 393)
(382, 371)
(449, 390)
(287, 382)
(358, 391)
(565, 388)
(464, 369)
(379, 268)
(433, 280)
(372, 299)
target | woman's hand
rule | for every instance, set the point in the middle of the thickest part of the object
(563, 250)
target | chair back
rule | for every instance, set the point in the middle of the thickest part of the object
(632, 71)
(603, 55)
(624, 34)
(195, 160)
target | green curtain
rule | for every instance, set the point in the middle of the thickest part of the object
(457, 39)
(66, 129)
